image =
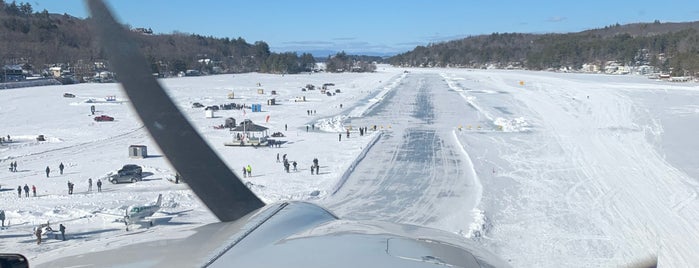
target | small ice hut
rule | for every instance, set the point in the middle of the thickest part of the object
(138, 151)
(230, 123)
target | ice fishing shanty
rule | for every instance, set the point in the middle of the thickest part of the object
(138, 151)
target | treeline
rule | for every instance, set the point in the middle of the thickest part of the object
(342, 62)
(671, 47)
(37, 40)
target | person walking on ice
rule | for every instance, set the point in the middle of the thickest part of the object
(89, 185)
(60, 167)
(34, 190)
(38, 236)
(48, 170)
(63, 231)
(249, 170)
(26, 191)
(99, 186)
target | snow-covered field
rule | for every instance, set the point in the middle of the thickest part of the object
(543, 169)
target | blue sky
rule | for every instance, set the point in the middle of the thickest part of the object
(376, 26)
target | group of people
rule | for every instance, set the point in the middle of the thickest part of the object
(89, 186)
(70, 188)
(247, 171)
(13, 166)
(40, 232)
(315, 167)
(286, 163)
(60, 169)
(362, 131)
(312, 126)
(26, 190)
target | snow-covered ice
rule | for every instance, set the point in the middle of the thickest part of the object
(543, 169)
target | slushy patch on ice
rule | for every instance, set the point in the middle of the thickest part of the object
(479, 225)
(512, 125)
(333, 124)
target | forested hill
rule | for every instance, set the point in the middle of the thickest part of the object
(37, 40)
(671, 47)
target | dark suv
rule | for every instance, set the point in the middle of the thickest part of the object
(128, 173)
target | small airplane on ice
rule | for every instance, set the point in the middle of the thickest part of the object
(139, 214)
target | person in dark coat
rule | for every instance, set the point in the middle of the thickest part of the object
(19, 191)
(2, 217)
(38, 236)
(60, 167)
(26, 191)
(313, 168)
(294, 164)
(48, 170)
(317, 170)
(63, 231)
(245, 172)
(99, 185)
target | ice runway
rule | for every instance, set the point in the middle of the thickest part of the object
(416, 173)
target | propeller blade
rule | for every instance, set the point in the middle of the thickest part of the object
(207, 175)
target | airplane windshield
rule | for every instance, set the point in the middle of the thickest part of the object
(545, 134)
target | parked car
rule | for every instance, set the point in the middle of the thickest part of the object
(128, 173)
(68, 95)
(197, 105)
(103, 118)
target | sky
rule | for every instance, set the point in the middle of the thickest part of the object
(387, 27)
